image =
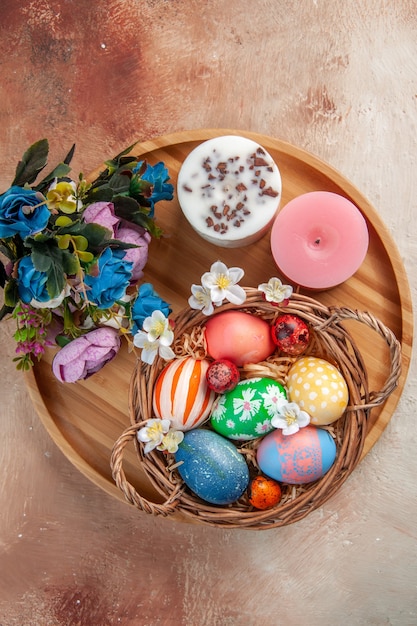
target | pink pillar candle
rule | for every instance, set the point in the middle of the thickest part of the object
(319, 240)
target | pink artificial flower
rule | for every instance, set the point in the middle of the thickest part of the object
(102, 213)
(86, 355)
(138, 256)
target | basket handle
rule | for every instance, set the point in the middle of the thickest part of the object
(344, 313)
(132, 496)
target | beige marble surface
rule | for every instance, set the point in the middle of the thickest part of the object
(336, 78)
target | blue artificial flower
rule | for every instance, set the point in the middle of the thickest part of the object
(145, 304)
(17, 217)
(111, 282)
(157, 175)
(31, 283)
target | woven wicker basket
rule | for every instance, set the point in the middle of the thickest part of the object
(330, 340)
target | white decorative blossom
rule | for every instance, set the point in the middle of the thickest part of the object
(275, 292)
(158, 434)
(290, 418)
(153, 433)
(158, 329)
(201, 300)
(155, 338)
(171, 441)
(221, 282)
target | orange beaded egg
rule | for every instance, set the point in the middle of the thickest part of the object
(181, 393)
(264, 492)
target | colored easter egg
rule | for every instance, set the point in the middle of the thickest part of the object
(296, 459)
(246, 411)
(291, 334)
(264, 492)
(212, 467)
(222, 375)
(181, 393)
(238, 336)
(318, 388)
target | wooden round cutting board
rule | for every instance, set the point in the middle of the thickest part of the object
(85, 419)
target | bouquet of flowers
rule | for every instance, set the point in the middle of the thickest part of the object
(71, 255)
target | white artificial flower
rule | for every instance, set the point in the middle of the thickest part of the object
(150, 349)
(221, 282)
(171, 441)
(153, 433)
(157, 328)
(201, 299)
(275, 292)
(290, 418)
(155, 338)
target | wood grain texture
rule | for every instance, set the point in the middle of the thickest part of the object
(334, 78)
(85, 420)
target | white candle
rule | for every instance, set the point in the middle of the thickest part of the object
(229, 189)
(319, 240)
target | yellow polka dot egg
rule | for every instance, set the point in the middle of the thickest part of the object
(318, 388)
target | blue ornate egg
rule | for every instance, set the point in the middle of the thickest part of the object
(246, 411)
(295, 459)
(212, 467)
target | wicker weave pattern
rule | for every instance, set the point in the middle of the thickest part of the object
(331, 341)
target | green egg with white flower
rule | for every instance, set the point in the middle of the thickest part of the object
(245, 412)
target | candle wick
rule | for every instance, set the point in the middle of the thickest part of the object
(317, 241)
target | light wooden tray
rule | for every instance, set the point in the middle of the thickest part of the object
(86, 418)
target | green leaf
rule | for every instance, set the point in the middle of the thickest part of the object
(5, 310)
(113, 164)
(139, 187)
(33, 161)
(64, 241)
(86, 257)
(81, 243)
(11, 293)
(70, 263)
(130, 210)
(3, 275)
(6, 250)
(70, 154)
(95, 234)
(103, 193)
(63, 220)
(125, 207)
(122, 245)
(41, 258)
(56, 280)
(60, 171)
(62, 340)
(120, 183)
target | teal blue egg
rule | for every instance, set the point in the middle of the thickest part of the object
(246, 411)
(212, 467)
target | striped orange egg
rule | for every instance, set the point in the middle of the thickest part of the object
(181, 393)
